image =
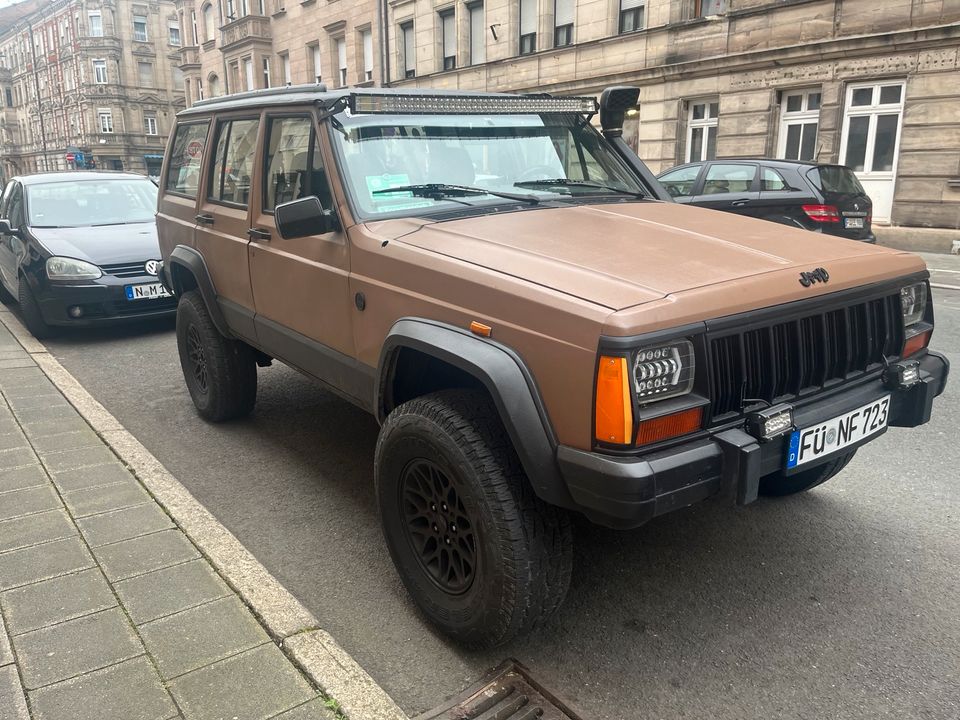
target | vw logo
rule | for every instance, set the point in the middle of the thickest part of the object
(152, 266)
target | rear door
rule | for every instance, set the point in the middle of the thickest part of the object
(783, 194)
(223, 218)
(729, 186)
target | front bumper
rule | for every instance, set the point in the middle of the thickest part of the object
(103, 301)
(627, 492)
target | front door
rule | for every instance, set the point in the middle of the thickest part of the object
(729, 186)
(870, 144)
(300, 286)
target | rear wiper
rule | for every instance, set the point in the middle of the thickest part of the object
(440, 191)
(567, 182)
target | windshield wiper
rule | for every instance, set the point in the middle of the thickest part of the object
(567, 182)
(442, 191)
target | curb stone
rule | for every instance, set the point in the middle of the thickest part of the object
(285, 619)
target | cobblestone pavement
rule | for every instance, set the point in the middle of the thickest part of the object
(109, 611)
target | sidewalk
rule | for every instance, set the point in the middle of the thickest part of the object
(109, 610)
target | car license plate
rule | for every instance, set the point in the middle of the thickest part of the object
(853, 223)
(809, 444)
(150, 291)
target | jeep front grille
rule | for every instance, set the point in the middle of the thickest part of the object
(785, 360)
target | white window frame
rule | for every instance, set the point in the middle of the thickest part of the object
(366, 44)
(248, 73)
(801, 117)
(408, 46)
(105, 121)
(99, 18)
(625, 7)
(448, 38)
(265, 71)
(208, 18)
(528, 9)
(340, 46)
(564, 15)
(285, 64)
(150, 125)
(706, 122)
(98, 77)
(317, 61)
(193, 26)
(873, 111)
(146, 30)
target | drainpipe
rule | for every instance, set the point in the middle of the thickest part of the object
(384, 44)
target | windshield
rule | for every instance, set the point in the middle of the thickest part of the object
(78, 203)
(499, 153)
(835, 179)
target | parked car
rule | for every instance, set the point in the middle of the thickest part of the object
(80, 249)
(813, 196)
(496, 281)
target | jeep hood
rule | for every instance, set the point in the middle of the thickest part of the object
(625, 254)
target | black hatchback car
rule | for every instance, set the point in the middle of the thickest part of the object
(818, 197)
(80, 248)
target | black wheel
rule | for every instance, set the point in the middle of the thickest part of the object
(5, 297)
(778, 484)
(30, 312)
(482, 556)
(221, 374)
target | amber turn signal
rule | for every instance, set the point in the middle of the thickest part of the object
(669, 426)
(614, 409)
(478, 328)
(915, 344)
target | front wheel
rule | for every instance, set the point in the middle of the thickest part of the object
(221, 373)
(30, 312)
(481, 555)
(779, 484)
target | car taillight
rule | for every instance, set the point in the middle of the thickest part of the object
(822, 213)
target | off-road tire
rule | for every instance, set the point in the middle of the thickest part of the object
(523, 546)
(5, 297)
(30, 312)
(779, 484)
(226, 386)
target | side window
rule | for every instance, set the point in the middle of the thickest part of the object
(233, 162)
(15, 208)
(186, 157)
(293, 164)
(728, 179)
(771, 181)
(680, 182)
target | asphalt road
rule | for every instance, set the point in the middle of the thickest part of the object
(838, 603)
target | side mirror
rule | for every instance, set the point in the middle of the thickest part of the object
(303, 217)
(614, 103)
(5, 228)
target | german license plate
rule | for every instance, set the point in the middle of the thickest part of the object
(809, 444)
(853, 223)
(150, 291)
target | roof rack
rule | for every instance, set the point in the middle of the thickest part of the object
(266, 92)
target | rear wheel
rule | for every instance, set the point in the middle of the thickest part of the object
(221, 373)
(30, 312)
(481, 555)
(779, 484)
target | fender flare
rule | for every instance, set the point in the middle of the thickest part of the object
(193, 262)
(511, 386)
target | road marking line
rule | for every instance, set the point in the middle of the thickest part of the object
(941, 286)
(954, 272)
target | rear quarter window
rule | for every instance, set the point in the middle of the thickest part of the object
(835, 179)
(186, 159)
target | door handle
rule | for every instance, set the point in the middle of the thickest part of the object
(740, 203)
(204, 219)
(258, 234)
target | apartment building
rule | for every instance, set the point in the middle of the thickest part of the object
(236, 45)
(873, 85)
(88, 83)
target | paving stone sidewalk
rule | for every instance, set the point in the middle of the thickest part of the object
(107, 610)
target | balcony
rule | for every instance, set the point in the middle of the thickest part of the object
(103, 44)
(189, 57)
(249, 29)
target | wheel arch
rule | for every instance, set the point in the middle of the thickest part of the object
(187, 270)
(456, 358)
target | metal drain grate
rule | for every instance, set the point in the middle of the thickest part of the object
(507, 692)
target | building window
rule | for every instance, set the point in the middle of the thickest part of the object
(478, 45)
(314, 51)
(799, 119)
(340, 45)
(366, 42)
(702, 130)
(209, 24)
(174, 35)
(150, 124)
(96, 24)
(266, 72)
(9, 96)
(528, 26)
(631, 15)
(408, 45)
(248, 73)
(213, 82)
(706, 8)
(105, 119)
(200, 93)
(563, 12)
(285, 65)
(193, 27)
(140, 28)
(448, 32)
(871, 127)
(145, 74)
(100, 72)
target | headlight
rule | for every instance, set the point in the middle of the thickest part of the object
(913, 301)
(63, 268)
(664, 371)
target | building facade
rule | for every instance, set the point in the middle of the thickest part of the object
(88, 83)
(232, 46)
(875, 86)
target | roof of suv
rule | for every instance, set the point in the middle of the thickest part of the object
(319, 94)
(74, 175)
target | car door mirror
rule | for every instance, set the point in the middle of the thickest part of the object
(303, 217)
(5, 228)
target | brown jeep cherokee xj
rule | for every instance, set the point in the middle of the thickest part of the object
(536, 326)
